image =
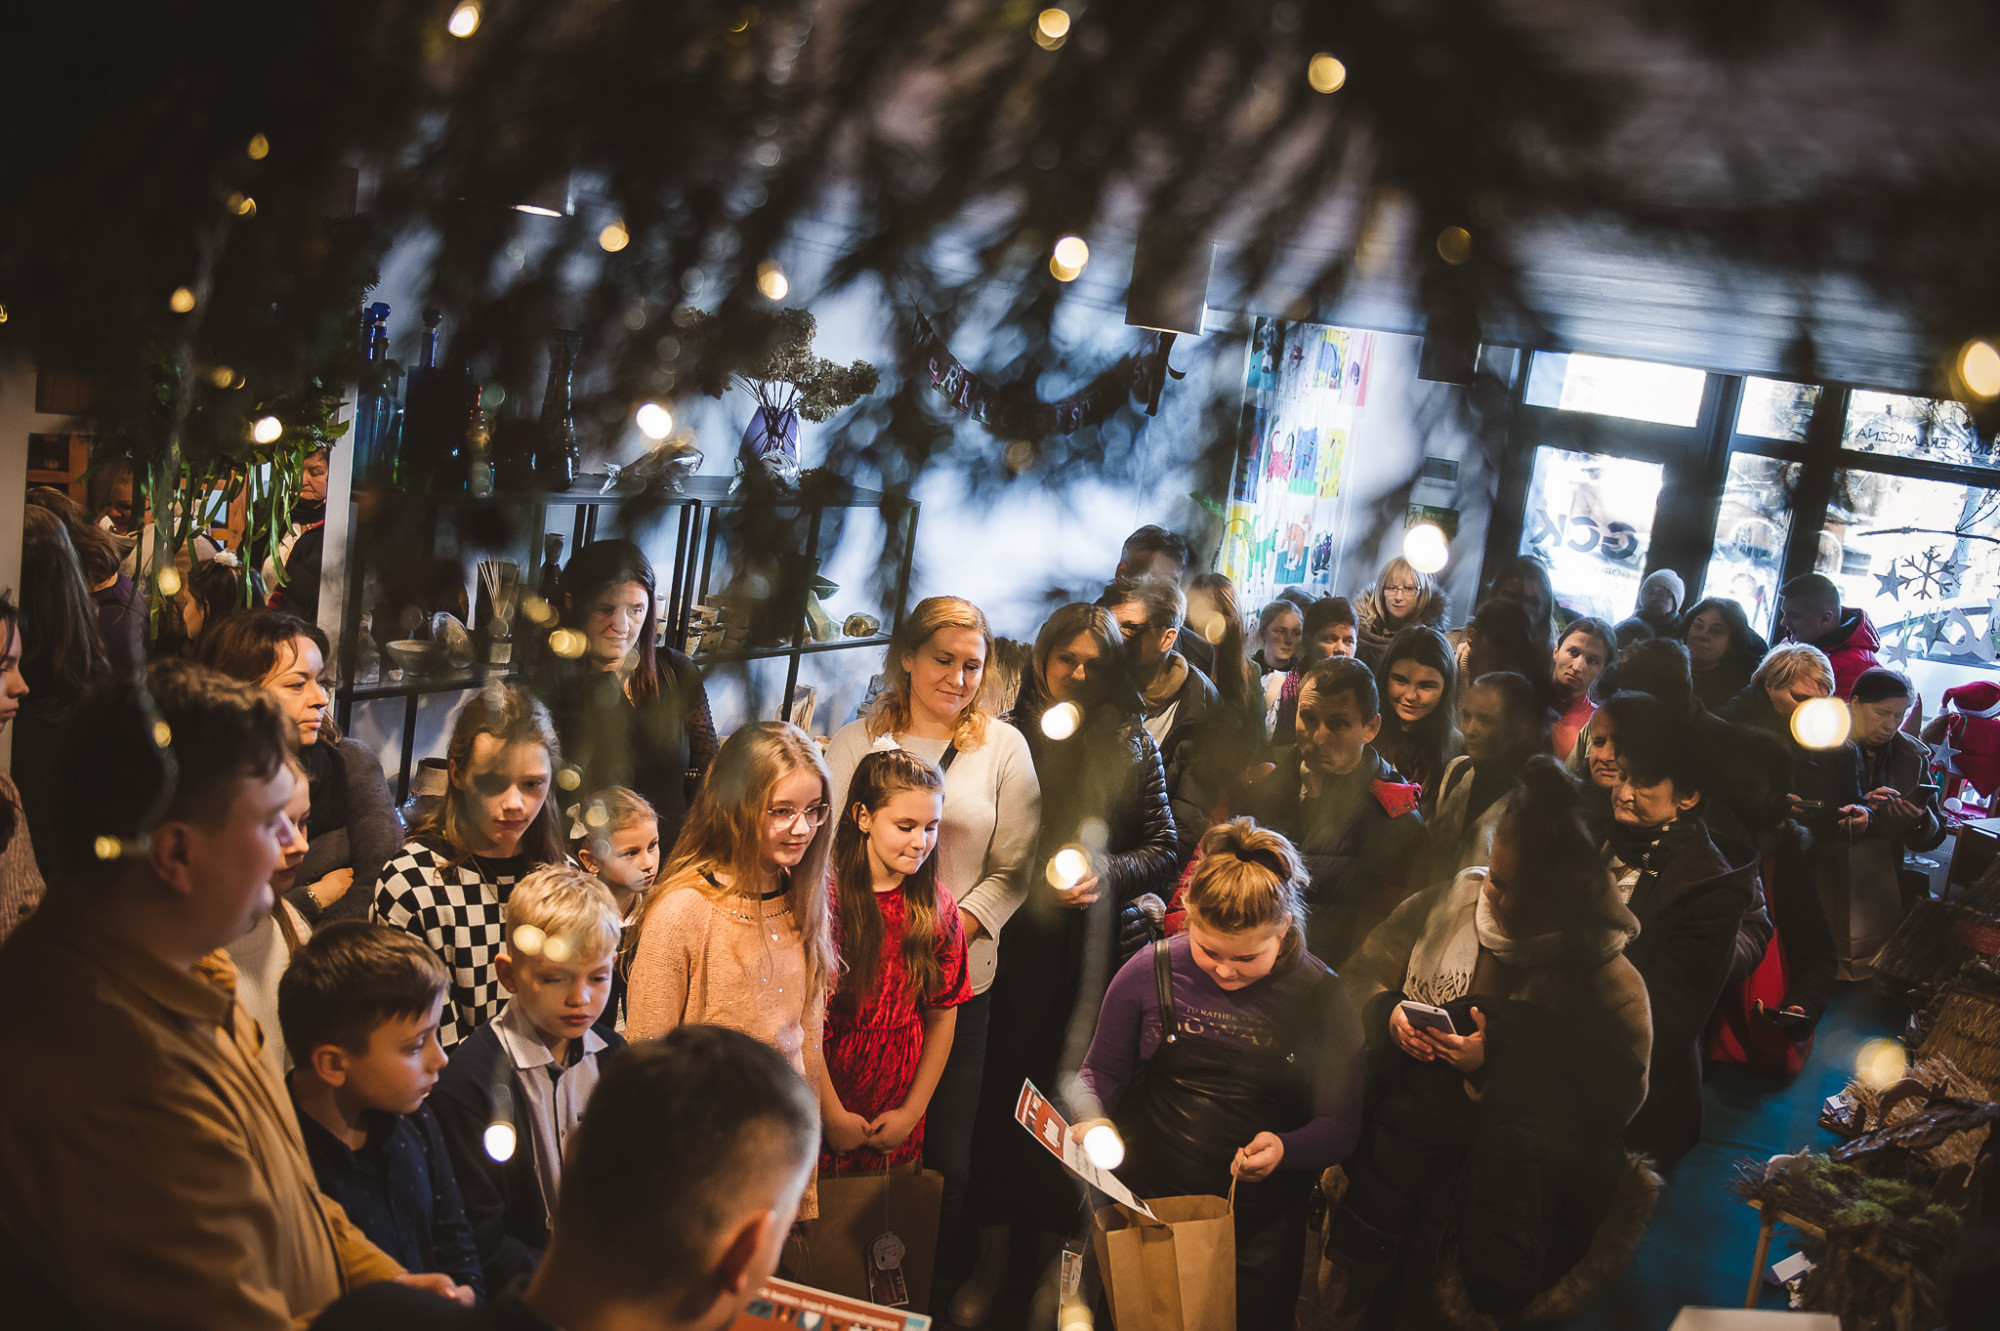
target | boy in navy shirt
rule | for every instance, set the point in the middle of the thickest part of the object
(360, 1006)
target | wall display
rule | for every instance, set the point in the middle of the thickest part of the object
(1302, 399)
(1013, 411)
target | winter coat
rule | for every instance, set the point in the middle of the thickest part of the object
(1690, 903)
(1362, 841)
(1374, 630)
(1195, 754)
(1851, 647)
(1903, 764)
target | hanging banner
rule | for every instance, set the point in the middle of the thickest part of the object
(1013, 411)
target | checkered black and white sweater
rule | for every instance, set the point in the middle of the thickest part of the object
(457, 913)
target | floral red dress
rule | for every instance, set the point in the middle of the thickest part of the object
(872, 1053)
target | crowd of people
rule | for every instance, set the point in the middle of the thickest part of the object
(1465, 911)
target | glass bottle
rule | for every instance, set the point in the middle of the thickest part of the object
(377, 417)
(549, 588)
(367, 656)
(557, 458)
(427, 418)
(499, 642)
(478, 443)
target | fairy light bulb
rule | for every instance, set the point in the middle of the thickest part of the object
(771, 282)
(1979, 367)
(464, 21)
(267, 429)
(654, 420)
(1061, 721)
(1426, 547)
(499, 1141)
(528, 940)
(1325, 72)
(1881, 1063)
(1103, 1146)
(1067, 867)
(1821, 723)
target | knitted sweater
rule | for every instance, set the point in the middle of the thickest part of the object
(20, 881)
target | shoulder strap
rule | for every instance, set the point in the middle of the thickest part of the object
(1163, 985)
(949, 756)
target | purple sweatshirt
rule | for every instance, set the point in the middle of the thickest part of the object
(1129, 1033)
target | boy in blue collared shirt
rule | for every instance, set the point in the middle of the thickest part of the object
(360, 1005)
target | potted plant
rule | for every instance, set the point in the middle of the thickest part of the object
(779, 369)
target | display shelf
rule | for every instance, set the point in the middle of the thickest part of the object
(773, 653)
(473, 677)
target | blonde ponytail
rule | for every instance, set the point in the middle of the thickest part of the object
(1249, 878)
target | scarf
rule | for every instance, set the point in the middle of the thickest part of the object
(1441, 965)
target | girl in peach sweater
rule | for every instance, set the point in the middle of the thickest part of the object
(736, 934)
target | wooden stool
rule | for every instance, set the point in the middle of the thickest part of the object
(1771, 1220)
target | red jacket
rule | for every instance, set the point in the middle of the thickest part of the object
(1851, 647)
(1974, 710)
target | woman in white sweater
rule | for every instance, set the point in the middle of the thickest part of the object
(992, 812)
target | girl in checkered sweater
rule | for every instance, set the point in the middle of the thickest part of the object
(452, 877)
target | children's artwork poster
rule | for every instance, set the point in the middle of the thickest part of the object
(1302, 400)
(780, 1303)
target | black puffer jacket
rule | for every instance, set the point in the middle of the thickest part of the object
(1110, 771)
(1690, 902)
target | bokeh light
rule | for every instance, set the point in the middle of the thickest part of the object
(1068, 867)
(771, 283)
(259, 149)
(107, 848)
(169, 582)
(567, 643)
(499, 1141)
(222, 376)
(1821, 723)
(528, 941)
(1454, 245)
(1067, 262)
(1061, 721)
(181, 301)
(556, 950)
(267, 429)
(1881, 1063)
(1325, 72)
(654, 420)
(1426, 547)
(1051, 28)
(614, 237)
(1979, 368)
(464, 21)
(163, 734)
(1104, 1147)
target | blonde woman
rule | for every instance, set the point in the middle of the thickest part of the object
(737, 933)
(929, 706)
(1401, 598)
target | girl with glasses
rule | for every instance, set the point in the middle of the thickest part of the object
(737, 934)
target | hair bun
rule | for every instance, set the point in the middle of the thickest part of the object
(1546, 780)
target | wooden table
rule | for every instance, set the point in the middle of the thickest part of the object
(1771, 1220)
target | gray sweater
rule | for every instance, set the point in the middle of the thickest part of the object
(371, 833)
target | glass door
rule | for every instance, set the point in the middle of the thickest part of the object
(1590, 519)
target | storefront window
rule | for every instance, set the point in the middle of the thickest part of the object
(1751, 527)
(1590, 517)
(1776, 409)
(1635, 389)
(1914, 427)
(1923, 559)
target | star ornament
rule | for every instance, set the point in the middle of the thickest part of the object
(1899, 650)
(1942, 753)
(1892, 584)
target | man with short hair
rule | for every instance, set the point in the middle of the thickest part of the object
(1155, 552)
(1811, 612)
(1184, 714)
(679, 1191)
(151, 1169)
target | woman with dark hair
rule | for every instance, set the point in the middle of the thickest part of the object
(352, 827)
(61, 655)
(20, 878)
(1895, 771)
(1401, 598)
(1280, 625)
(1493, 1133)
(1419, 675)
(1690, 901)
(1103, 863)
(629, 712)
(1505, 724)
(1503, 637)
(1722, 649)
(213, 589)
(121, 611)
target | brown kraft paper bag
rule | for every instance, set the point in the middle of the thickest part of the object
(854, 1211)
(1174, 1274)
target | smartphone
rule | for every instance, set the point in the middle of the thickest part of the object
(1425, 1017)
(1927, 795)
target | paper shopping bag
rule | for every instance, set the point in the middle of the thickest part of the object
(856, 1211)
(1176, 1274)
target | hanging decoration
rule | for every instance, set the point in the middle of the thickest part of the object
(1014, 412)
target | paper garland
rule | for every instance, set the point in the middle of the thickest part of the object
(1014, 412)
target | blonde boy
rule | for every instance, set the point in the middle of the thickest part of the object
(517, 1086)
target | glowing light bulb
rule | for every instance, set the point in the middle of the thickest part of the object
(567, 643)
(1454, 245)
(1068, 867)
(464, 21)
(107, 847)
(267, 429)
(3, 314)
(1881, 1063)
(1061, 721)
(614, 237)
(1979, 367)
(1821, 723)
(169, 582)
(1104, 1147)
(1072, 252)
(654, 420)
(1426, 547)
(597, 815)
(556, 949)
(259, 149)
(528, 940)
(771, 283)
(163, 734)
(222, 376)
(569, 778)
(1325, 72)
(1051, 28)
(499, 1141)
(181, 301)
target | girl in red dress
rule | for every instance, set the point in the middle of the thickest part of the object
(902, 972)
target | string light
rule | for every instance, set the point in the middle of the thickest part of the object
(528, 941)
(499, 1141)
(169, 582)
(259, 149)
(3, 314)
(567, 643)
(1067, 262)
(1104, 1146)
(181, 301)
(654, 420)
(107, 848)
(1426, 547)
(464, 21)
(1821, 723)
(1454, 245)
(267, 429)
(1051, 28)
(1979, 368)
(163, 735)
(1061, 721)
(222, 376)
(614, 237)
(1881, 1063)
(556, 950)
(569, 778)
(771, 283)
(1067, 868)
(1325, 72)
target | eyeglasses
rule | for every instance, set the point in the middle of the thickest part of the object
(1400, 591)
(785, 816)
